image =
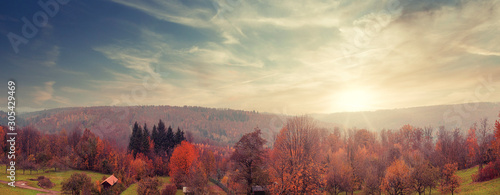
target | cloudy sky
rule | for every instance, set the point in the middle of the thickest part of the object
(295, 57)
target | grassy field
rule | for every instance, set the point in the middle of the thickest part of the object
(55, 177)
(5, 189)
(132, 189)
(466, 187)
(469, 187)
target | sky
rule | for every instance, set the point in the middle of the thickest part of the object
(291, 57)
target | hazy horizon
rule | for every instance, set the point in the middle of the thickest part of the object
(300, 57)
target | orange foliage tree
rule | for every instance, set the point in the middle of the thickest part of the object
(297, 168)
(339, 174)
(181, 161)
(450, 182)
(472, 146)
(397, 177)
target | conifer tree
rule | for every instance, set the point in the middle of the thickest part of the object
(154, 137)
(179, 136)
(135, 140)
(145, 140)
(160, 138)
(169, 139)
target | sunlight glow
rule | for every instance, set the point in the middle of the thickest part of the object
(353, 100)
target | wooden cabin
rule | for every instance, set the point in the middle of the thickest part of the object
(110, 181)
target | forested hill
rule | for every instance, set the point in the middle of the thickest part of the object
(226, 126)
(216, 126)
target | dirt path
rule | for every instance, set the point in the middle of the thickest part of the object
(22, 184)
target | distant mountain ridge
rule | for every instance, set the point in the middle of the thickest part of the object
(450, 116)
(226, 126)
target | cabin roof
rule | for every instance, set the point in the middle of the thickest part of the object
(111, 180)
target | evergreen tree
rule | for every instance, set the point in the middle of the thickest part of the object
(160, 138)
(169, 139)
(135, 140)
(179, 136)
(146, 130)
(145, 140)
(154, 137)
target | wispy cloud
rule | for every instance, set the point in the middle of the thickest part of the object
(52, 56)
(44, 93)
(305, 56)
(303, 46)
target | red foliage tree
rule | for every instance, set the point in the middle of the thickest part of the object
(181, 161)
(472, 146)
(249, 157)
(450, 182)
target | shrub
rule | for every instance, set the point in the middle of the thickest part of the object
(45, 182)
(148, 185)
(77, 183)
(169, 189)
(489, 172)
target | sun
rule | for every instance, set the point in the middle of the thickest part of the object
(353, 100)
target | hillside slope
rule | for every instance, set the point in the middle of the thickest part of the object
(469, 187)
(225, 126)
(217, 126)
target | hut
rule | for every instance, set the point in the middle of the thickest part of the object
(110, 181)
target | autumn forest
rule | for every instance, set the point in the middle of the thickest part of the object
(302, 158)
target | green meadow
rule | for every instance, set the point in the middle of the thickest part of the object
(466, 187)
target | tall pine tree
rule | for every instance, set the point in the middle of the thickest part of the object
(145, 140)
(154, 137)
(160, 138)
(135, 144)
(169, 139)
(179, 136)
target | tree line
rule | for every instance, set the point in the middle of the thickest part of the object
(300, 159)
(161, 140)
(305, 159)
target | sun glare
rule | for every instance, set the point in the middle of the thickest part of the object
(353, 100)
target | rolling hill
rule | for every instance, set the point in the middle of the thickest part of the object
(207, 125)
(225, 126)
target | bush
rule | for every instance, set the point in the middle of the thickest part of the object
(148, 185)
(169, 189)
(45, 182)
(77, 183)
(489, 172)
